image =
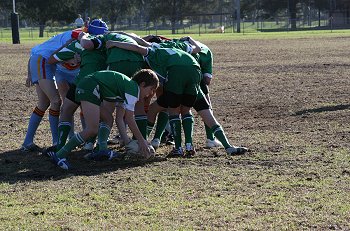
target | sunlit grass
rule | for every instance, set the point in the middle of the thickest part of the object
(30, 35)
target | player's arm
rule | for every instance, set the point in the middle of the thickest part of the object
(71, 62)
(137, 38)
(207, 68)
(127, 46)
(53, 60)
(194, 44)
(207, 78)
(120, 115)
(89, 43)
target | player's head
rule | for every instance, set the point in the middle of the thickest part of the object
(155, 38)
(152, 39)
(147, 80)
(97, 26)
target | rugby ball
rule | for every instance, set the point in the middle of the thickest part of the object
(132, 148)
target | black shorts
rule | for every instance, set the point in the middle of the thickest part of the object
(172, 100)
(71, 93)
(201, 104)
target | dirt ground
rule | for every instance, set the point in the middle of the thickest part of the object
(287, 100)
(297, 86)
(270, 95)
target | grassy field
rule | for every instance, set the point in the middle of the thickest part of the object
(285, 96)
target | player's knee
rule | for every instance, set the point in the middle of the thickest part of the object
(56, 103)
(43, 103)
(210, 122)
(43, 106)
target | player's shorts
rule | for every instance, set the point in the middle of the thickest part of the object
(183, 80)
(201, 102)
(128, 68)
(65, 76)
(71, 94)
(88, 90)
(40, 69)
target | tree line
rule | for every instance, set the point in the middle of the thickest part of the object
(153, 11)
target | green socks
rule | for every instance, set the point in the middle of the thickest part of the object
(103, 134)
(175, 125)
(209, 133)
(220, 135)
(141, 121)
(162, 121)
(187, 124)
(63, 132)
(74, 142)
(150, 126)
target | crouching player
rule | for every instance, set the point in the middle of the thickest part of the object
(109, 87)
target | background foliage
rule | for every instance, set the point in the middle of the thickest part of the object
(174, 14)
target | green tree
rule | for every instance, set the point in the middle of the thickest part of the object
(248, 8)
(273, 6)
(173, 10)
(319, 5)
(116, 10)
(42, 11)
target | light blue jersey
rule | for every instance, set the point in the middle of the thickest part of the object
(46, 49)
(38, 66)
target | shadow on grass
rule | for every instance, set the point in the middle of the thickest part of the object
(16, 166)
(323, 109)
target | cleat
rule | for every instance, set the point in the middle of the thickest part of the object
(49, 151)
(167, 138)
(60, 162)
(88, 146)
(232, 151)
(170, 140)
(213, 143)
(103, 155)
(31, 148)
(164, 137)
(115, 140)
(155, 143)
(175, 153)
(190, 153)
(190, 150)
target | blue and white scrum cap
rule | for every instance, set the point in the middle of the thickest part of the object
(97, 26)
